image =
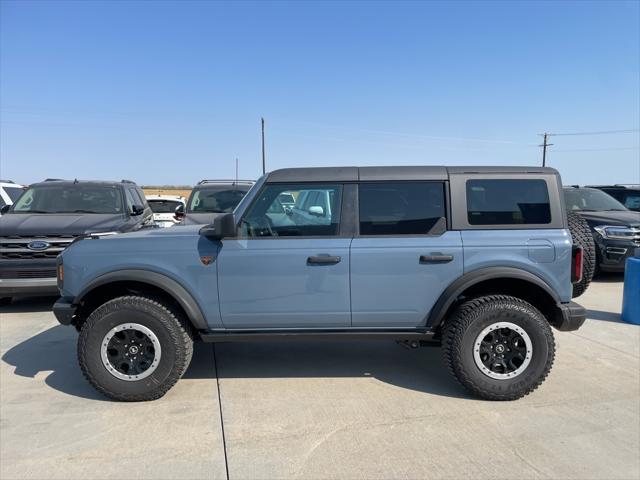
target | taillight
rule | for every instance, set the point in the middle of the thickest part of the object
(576, 264)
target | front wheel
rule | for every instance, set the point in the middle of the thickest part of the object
(134, 348)
(498, 347)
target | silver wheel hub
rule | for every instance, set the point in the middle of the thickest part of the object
(503, 350)
(130, 352)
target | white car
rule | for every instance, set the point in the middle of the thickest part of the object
(164, 208)
(9, 192)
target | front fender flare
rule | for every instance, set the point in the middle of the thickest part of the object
(455, 289)
(169, 285)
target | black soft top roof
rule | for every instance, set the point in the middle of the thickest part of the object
(354, 174)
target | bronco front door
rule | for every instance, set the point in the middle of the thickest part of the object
(289, 266)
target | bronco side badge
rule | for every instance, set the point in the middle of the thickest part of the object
(206, 260)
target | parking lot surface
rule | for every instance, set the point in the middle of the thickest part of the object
(318, 409)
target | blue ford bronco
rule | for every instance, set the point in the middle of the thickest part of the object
(480, 260)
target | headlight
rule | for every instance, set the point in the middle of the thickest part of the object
(101, 234)
(617, 233)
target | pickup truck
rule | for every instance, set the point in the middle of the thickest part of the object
(478, 260)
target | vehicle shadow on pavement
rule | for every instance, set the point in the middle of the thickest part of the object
(29, 305)
(606, 277)
(604, 316)
(54, 350)
(420, 369)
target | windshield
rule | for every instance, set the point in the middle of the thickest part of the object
(164, 206)
(593, 200)
(216, 200)
(13, 192)
(70, 198)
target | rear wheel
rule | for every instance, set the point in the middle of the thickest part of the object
(498, 347)
(581, 236)
(134, 348)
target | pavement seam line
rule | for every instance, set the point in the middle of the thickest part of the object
(224, 441)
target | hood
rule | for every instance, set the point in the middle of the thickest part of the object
(623, 218)
(199, 218)
(59, 223)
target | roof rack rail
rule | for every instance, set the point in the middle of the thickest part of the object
(127, 181)
(7, 181)
(201, 182)
(625, 185)
(54, 180)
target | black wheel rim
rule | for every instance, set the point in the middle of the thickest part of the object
(130, 351)
(502, 350)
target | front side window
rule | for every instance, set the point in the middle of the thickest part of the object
(632, 201)
(400, 208)
(590, 200)
(508, 202)
(315, 211)
(215, 200)
(70, 199)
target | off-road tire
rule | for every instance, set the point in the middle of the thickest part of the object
(582, 236)
(172, 331)
(471, 318)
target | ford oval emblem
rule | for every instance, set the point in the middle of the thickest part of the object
(38, 245)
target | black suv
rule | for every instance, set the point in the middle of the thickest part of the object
(628, 195)
(211, 198)
(49, 215)
(615, 228)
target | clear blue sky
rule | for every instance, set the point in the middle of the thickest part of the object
(168, 92)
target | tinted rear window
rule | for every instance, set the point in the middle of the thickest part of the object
(164, 206)
(508, 202)
(400, 208)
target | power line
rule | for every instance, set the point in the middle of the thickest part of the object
(604, 132)
(598, 149)
(545, 144)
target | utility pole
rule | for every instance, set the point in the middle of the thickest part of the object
(544, 148)
(263, 159)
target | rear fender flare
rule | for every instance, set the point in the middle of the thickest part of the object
(455, 289)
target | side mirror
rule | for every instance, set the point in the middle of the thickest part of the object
(137, 210)
(223, 226)
(317, 211)
(178, 213)
(5, 209)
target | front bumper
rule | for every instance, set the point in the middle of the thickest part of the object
(570, 316)
(613, 254)
(64, 310)
(28, 277)
(28, 286)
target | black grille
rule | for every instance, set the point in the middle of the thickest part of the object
(16, 247)
(31, 273)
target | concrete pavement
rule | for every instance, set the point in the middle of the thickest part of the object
(322, 410)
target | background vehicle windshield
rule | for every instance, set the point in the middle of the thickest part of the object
(215, 200)
(163, 206)
(590, 200)
(14, 192)
(70, 199)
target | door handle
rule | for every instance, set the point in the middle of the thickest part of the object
(323, 260)
(436, 258)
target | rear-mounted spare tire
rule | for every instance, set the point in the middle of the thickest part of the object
(581, 236)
